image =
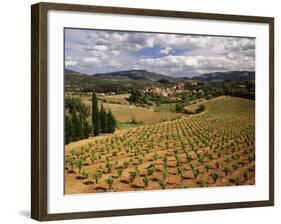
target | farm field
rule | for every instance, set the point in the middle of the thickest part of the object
(212, 148)
(125, 112)
(119, 98)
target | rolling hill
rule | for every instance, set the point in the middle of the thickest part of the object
(121, 78)
(136, 78)
(134, 75)
(223, 76)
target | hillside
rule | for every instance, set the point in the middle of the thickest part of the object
(134, 75)
(116, 81)
(120, 81)
(203, 150)
(223, 76)
(71, 72)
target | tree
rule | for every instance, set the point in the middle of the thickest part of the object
(111, 122)
(200, 109)
(95, 115)
(136, 97)
(180, 107)
(103, 120)
(77, 128)
(68, 129)
(185, 97)
(76, 125)
(86, 129)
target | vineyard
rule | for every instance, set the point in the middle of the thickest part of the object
(213, 148)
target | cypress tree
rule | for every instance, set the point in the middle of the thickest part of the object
(103, 120)
(86, 129)
(77, 128)
(68, 129)
(95, 115)
(111, 122)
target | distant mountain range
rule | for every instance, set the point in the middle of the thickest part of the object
(134, 75)
(73, 77)
(68, 71)
(223, 76)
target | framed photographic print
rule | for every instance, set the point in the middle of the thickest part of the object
(139, 111)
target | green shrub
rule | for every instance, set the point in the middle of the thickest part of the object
(145, 180)
(109, 181)
(151, 169)
(179, 160)
(218, 164)
(119, 172)
(72, 163)
(126, 164)
(114, 153)
(109, 166)
(196, 172)
(162, 184)
(226, 170)
(215, 176)
(246, 174)
(200, 109)
(202, 183)
(140, 160)
(208, 166)
(155, 156)
(85, 174)
(235, 166)
(237, 180)
(133, 175)
(97, 175)
(80, 164)
(165, 173)
(201, 158)
(251, 158)
(93, 158)
(192, 165)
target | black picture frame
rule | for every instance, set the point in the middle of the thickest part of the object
(39, 107)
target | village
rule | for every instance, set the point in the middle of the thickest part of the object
(187, 86)
(184, 86)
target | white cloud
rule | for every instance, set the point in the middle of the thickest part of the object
(70, 63)
(239, 44)
(184, 65)
(173, 54)
(88, 62)
(114, 64)
(115, 52)
(166, 50)
(97, 48)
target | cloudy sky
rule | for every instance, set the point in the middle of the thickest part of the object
(98, 51)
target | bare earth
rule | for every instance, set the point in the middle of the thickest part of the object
(184, 153)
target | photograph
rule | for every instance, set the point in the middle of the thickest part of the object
(154, 111)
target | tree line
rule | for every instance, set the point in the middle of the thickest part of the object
(78, 126)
